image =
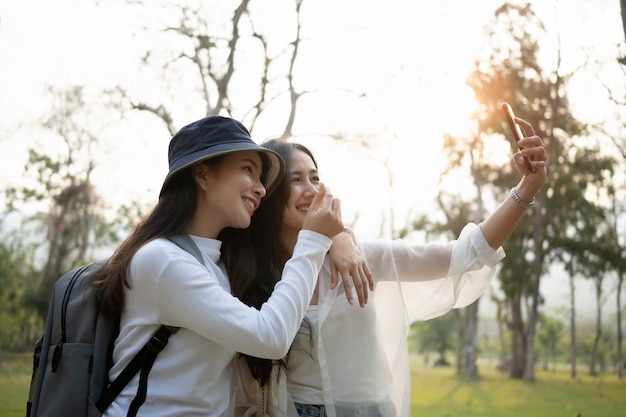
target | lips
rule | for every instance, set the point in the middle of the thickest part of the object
(303, 207)
(251, 203)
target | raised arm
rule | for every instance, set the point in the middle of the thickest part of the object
(500, 224)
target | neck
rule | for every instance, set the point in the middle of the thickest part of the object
(204, 222)
(201, 225)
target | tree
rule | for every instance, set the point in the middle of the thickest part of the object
(613, 255)
(511, 71)
(207, 55)
(619, 357)
(465, 154)
(549, 334)
(20, 323)
(60, 195)
(436, 335)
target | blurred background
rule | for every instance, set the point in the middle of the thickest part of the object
(400, 102)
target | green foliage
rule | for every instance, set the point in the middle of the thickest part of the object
(550, 337)
(60, 211)
(20, 322)
(437, 335)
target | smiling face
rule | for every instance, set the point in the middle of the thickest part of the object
(303, 180)
(229, 192)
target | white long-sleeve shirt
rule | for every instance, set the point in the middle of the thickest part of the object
(191, 376)
(358, 364)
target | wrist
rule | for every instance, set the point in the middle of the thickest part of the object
(526, 191)
(523, 203)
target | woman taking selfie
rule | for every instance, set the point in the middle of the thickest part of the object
(348, 361)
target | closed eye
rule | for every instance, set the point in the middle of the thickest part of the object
(251, 167)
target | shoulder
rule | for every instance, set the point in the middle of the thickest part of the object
(155, 256)
(157, 249)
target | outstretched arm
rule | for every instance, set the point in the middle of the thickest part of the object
(500, 224)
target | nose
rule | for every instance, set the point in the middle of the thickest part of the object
(310, 189)
(259, 189)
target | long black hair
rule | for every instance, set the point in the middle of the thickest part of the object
(169, 216)
(264, 237)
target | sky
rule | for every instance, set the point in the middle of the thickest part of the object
(411, 57)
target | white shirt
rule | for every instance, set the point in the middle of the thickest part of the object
(191, 376)
(358, 365)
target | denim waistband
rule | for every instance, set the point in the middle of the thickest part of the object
(309, 410)
(378, 409)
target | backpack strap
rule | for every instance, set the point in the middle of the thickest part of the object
(184, 241)
(144, 359)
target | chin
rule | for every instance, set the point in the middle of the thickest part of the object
(242, 224)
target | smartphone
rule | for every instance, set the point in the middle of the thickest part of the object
(517, 131)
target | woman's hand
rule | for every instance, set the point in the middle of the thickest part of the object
(346, 260)
(499, 225)
(533, 148)
(324, 214)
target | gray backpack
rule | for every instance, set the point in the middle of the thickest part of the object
(72, 359)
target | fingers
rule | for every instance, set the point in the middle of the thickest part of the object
(347, 288)
(368, 277)
(361, 290)
(334, 276)
(362, 282)
(354, 280)
(532, 147)
(324, 214)
(346, 260)
(336, 206)
(318, 199)
(526, 127)
(324, 201)
(530, 140)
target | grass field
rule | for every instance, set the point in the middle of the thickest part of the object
(437, 392)
(15, 373)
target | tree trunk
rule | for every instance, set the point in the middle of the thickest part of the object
(471, 370)
(529, 371)
(518, 345)
(620, 358)
(572, 325)
(593, 360)
(529, 367)
(623, 12)
(460, 340)
(501, 329)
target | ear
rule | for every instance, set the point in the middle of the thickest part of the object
(200, 173)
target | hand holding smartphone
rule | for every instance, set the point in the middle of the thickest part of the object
(517, 131)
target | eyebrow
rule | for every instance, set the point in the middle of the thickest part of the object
(313, 171)
(252, 161)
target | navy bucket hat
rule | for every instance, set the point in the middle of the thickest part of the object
(214, 136)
